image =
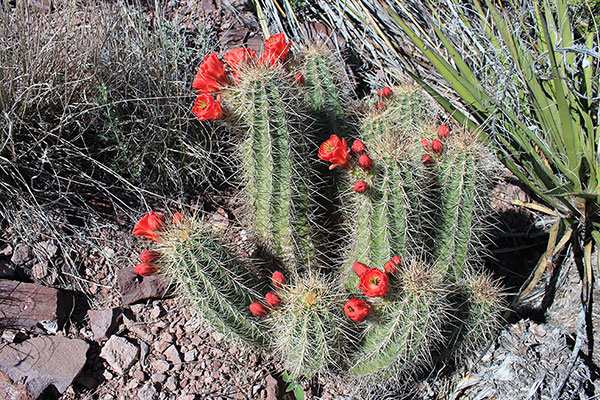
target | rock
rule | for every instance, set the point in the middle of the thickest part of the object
(156, 312)
(134, 288)
(27, 305)
(164, 341)
(144, 350)
(160, 365)
(21, 255)
(12, 391)
(147, 392)
(187, 397)
(42, 271)
(172, 354)
(158, 377)
(103, 322)
(44, 361)
(272, 387)
(119, 353)
(171, 384)
(46, 250)
(190, 355)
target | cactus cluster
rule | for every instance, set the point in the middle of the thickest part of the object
(394, 280)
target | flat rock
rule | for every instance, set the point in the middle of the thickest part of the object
(103, 322)
(21, 255)
(12, 391)
(272, 387)
(134, 288)
(44, 361)
(172, 354)
(27, 305)
(119, 353)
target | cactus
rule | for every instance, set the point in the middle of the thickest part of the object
(210, 277)
(274, 148)
(407, 327)
(307, 328)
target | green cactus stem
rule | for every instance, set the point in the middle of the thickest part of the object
(209, 276)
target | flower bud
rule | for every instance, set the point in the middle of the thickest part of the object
(387, 92)
(258, 309)
(360, 187)
(278, 279)
(358, 147)
(426, 143)
(149, 257)
(299, 78)
(359, 268)
(443, 132)
(272, 299)
(365, 161)
(145, 269)
(389, 267)
(397, 260)
(380, 106)
(427, 159)
(437, 146)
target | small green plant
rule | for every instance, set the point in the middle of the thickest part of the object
(293, 386)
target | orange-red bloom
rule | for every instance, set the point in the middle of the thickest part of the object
(205, 107)
(365, 161)
(236, 57)
(149, 257)
(357, 310)
(384, 93)
(276, 49)
(149, 226)
(443, 132)
(335, 151)
(145, 269)
(211, 76)
(360, 187)
(258, 309)
(359, 268)
(272, 300)
(278, 279)
(373, 283)
(358, 147)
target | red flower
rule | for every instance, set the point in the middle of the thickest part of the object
(211, 76)
(205, 108)
(358, 147)
(443, 132)
(373, 283)
(278, 279)
(276, 48)
(365, 161)
(335, 151)
(426, 143)
(258, 309)
(149, 226)
(357, 310)
(149, 257)
(397, 260)
(389, 267)
(380, 106)
(359, 268)
(299, 78)
(437, 146)
(177, 218)
(384, 93)
(234, 58)
(272, 300)
(360, 187)
(145, 269)
(427, 159)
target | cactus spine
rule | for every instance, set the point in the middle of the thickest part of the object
(275, 166)
(214, 280)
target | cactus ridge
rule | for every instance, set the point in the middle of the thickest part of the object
(408, 328)
(216, 282)
(306, 329)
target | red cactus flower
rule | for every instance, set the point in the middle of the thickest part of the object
(365, 161)
(357, 310)
(149, 257)
(278, 279)
(358, 147)
(443, 132)
(205, 107)
(211, 76)
(397, 260)
(359, 268)
(437, 146)
(145, 269)
(426, 143)
(387, 92)
(335, 151)
(360, 187)
(236, 57)
(427, 159)
(276, 48)
(299, 78)
(389, 267)
(380, 106)
(373, 283)
(272, 300)
(258, 309)
(149, 226)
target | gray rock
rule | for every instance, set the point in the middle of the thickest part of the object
(44, 361)
(119, 353)
(148, 392)
(172, 354)
(46, 250)
(21, 255)
(103, 322)
(158, 377)
(190, 355)
(134, 288)
(171, 384)
(160, 366)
